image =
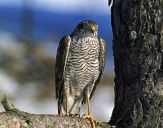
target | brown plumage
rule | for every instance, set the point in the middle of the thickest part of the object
(80, 63)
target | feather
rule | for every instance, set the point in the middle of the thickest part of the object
(102, 60)
(61, 59)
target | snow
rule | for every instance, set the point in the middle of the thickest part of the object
(8, 85)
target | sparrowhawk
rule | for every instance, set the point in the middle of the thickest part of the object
(80, 63)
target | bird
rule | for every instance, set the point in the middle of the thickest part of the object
(80, 62)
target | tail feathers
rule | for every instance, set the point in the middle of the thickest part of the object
(69, 109)
(61, 110)
(75, 109)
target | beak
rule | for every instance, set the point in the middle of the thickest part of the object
(95, 33)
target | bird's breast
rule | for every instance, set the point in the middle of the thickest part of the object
(82, 63)
(84, 53)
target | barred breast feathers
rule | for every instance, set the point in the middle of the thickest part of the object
(82, 54)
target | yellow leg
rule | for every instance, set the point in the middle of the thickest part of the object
(89, 112)
(90, 117)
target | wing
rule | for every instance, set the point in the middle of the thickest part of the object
(61, 60)
(102, 60)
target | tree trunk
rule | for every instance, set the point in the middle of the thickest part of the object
(138, 55)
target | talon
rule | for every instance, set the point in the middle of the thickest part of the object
(92, 120)
(90, 117)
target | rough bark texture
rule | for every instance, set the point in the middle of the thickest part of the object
(138, 56)
(14, 118)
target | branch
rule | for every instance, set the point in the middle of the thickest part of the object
(14, 118)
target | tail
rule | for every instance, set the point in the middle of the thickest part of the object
(75, 108)
(60, 107)
(69, 107)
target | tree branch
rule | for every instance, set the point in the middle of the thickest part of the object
(14, 118)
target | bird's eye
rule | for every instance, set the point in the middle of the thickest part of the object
(94, 28)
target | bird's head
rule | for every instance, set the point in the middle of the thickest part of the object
(87, 26)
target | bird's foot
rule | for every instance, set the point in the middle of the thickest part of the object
(92, 120)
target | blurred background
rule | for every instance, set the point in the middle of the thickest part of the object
(29, 34)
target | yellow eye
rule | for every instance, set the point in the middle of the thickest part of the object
(95, 28)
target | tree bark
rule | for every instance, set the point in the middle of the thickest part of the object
(137, 27)
(14, 118)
